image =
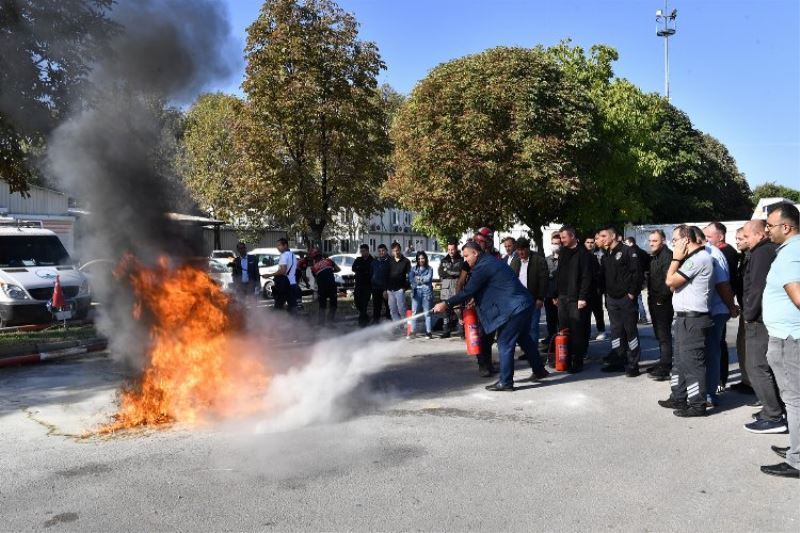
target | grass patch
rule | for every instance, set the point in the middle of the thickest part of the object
(52, 334)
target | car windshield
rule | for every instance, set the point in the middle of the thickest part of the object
(32, 250)
(348, 261)
(218, 268)
(268, 260)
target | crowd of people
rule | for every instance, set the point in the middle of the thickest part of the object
(694, 288)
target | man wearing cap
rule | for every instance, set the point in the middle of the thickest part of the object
(691, 279)
(504, 307)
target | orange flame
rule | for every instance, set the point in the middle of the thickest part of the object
(193, 373)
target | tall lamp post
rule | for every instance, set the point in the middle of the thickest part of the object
(665, 27)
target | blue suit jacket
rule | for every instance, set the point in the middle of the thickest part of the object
(497, 292)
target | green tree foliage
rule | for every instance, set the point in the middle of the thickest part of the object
(316, 128)
(491, 137)
(550, 135)
(211, 158)
(46, 47)
(771, 189)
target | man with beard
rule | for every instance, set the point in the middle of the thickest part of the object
(623, 278)
(659, 300)
(504, 307)
(574, 284)
(450, 268)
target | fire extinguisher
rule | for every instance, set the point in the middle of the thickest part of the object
(562, 350)
(409, 326)
(472, 333)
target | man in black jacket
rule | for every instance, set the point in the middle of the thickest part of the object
(574, 285)
(531, 269)
(623, 281)
(450, 268)
(362, 268)
(762, 254)
(246, 278)
(399, 266)
(659, 301)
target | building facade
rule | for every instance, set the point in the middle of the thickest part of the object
(49, 207)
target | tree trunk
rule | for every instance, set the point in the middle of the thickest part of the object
(536, 230)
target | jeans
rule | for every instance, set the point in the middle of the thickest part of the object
(516, 331)
(397, 304)
(421, 301)
(713, 355)
(783, 356)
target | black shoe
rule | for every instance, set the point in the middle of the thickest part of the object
(522, 357)
(669, 403)
(756, 403)
(484, 372)
(781, 470)
(445, 335)
(742, 388)
(536, 376)
(764, 425)
(498, 387)
(613, 368)
(781, 451)
(690, 411)
(661, 375)
(428, 335)
(632, 372)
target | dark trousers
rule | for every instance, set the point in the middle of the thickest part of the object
(596, 305)
(516, 331)
(575, 320)
(328, 301)
(361, 296)
(741, 351)
(661, 317)
(724, 358)
(380, 306)
(761, 377)
(624, 316)
(551, 316)
(688, 376)
(285, 294)
(485, 357)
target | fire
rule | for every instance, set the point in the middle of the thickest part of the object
(194, 372)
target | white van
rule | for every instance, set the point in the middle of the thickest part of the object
(30, 260)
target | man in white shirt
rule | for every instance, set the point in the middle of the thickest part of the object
(285, 291)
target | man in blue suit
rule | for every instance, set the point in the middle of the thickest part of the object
(503, 305)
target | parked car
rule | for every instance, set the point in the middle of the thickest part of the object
(268, 259)
(222, 257)
(345, 263)
(30, 260)
(222, 274)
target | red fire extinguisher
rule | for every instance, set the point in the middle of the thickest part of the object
(409, 326)
(472, 331)
(562, 350)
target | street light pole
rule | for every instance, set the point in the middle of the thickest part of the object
(665, 27)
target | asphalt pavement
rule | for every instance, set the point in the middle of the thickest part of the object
(418, 444)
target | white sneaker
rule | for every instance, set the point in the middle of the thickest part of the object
(600, 336)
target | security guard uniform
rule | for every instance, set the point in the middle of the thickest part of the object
(692, 323)
(623, 276)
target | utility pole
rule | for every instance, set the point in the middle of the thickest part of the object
(665, 27)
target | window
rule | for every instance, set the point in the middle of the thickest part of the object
(408, 218)
(372, 245)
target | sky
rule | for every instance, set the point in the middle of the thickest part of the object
(734, 64)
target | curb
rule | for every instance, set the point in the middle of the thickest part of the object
(52, 351)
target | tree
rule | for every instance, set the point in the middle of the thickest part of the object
(46, 47)
(771, 189)
(211, 159)
(487, 138)
(315, 129)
